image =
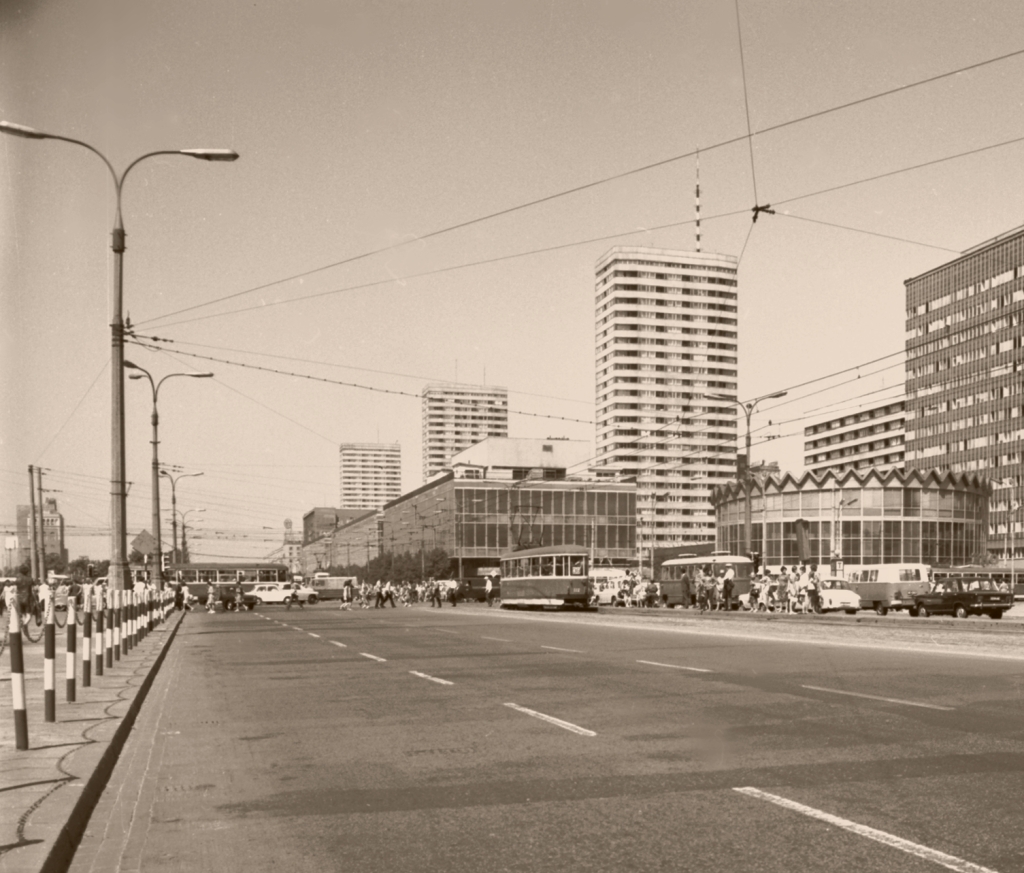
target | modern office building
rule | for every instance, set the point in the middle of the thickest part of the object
(456, 416)
(370, 474)
(865, 516)
(322, 520)
(965, 375)
(354, 541)
(871, 437)
(666, 340)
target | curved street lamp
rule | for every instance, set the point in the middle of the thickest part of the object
(118, 532)
(748, 408)
(174, 506)
(155, 419)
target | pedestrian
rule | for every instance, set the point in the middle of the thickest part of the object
(488, 590)
(377, 594)
(239, 597)
(387, 595)
(435, 594)
(814, 589)
(453, 592)
(211, 597)
(783, 591)
(728, 584)
(179, 598)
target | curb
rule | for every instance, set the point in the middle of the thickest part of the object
(62, 853)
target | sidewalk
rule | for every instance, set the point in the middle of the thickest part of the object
(48, 792)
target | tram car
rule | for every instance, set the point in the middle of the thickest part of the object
(549, 576)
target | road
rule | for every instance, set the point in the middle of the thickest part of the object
(476, 740)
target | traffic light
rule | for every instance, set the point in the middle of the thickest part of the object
(165, 562)
(741, 467)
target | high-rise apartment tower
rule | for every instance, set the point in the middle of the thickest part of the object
(666, 341)
(457, 416)
(965, 375)
(371, 474)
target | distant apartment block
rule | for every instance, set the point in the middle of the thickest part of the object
(370, 474)
(457, 416)
(867, 438)
(965, 374)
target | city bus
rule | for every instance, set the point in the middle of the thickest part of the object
(555, 576)
(674, 570)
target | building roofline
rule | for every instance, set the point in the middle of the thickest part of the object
(653, 250)
(968, 253)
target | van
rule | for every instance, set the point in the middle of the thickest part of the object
(882, 587)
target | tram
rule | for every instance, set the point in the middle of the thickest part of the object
(674, 570)
(556, 576)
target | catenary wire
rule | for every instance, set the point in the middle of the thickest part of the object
(595, 183)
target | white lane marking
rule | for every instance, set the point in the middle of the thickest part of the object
(568, 725)
(496, 639)
(431, 678)
(313, 634)
(336, 643)
(557, 649)
(442, 630)
(676, 666)
(884, 699)
(949, 861)
(372, 657)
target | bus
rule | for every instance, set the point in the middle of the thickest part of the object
(196, 577)
(674, 570)
(555, 576)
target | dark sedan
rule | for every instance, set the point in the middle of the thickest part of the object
(963, 598)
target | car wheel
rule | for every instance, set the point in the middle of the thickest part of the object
(259, 601)
(312, 599)
(913, 611)
(922, 611)
(881, 610)
(960, 611)
(996, 613)
(851, 611)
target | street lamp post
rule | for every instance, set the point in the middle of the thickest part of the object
(155, 419)
(174, 506)
(118, 532)
(184, 527)
(748, 409)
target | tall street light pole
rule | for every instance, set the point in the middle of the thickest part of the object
(748, 408)
(184, 528)
(155, 419)
(119, 529)
(174, 506)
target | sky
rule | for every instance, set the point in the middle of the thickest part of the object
(364, 129)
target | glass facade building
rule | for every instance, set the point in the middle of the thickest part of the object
(866, 516)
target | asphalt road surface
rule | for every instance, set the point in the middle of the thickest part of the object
(472, 739)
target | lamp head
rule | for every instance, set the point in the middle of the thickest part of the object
(136, 376)
(132, 366)
(21, 130)
(211, 154)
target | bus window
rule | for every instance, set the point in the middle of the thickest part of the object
(910, 575)
(547, 566)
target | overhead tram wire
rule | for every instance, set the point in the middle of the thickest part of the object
(868, 232)
(576, 189)
(746, 106)
(604, 238)
(338, 382)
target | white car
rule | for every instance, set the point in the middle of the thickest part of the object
(276, 592)
(835, 594)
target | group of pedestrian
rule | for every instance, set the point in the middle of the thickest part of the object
(796, 589)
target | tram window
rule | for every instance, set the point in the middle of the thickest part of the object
(534, 566)
(577, 567)
(547, 566)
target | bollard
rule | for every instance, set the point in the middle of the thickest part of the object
(87, 637)
(100, 634)
(129, 622)
(49, 662)
(72, 651)
(115, 623)
(17, 672)
(108, 633)
(125, 599)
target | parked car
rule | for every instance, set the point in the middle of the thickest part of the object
(608, 594)
(962, 598)
(278, 592)
(836, 594)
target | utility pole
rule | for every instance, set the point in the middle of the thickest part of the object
(42, 524)
(33, 551)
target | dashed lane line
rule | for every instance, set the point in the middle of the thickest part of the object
(431, 678)
(567, 725)
(559, 649)
(883, 699)
(496, 639)
(336, 643)
(372, 657)
(677, 666)
(949, 861)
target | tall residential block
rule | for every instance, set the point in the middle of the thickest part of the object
(371, 474)
(965, 375)
(666, 341)
(457, 416)
(870, 437)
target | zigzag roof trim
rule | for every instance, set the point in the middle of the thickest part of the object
(850, 478)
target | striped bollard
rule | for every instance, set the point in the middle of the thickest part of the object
(100, 634)
(17, 672)
(129, 621)
(70, 667)
(87, 637)
(125, 600)
(115, 624)
(108, 632)
(49, 663)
